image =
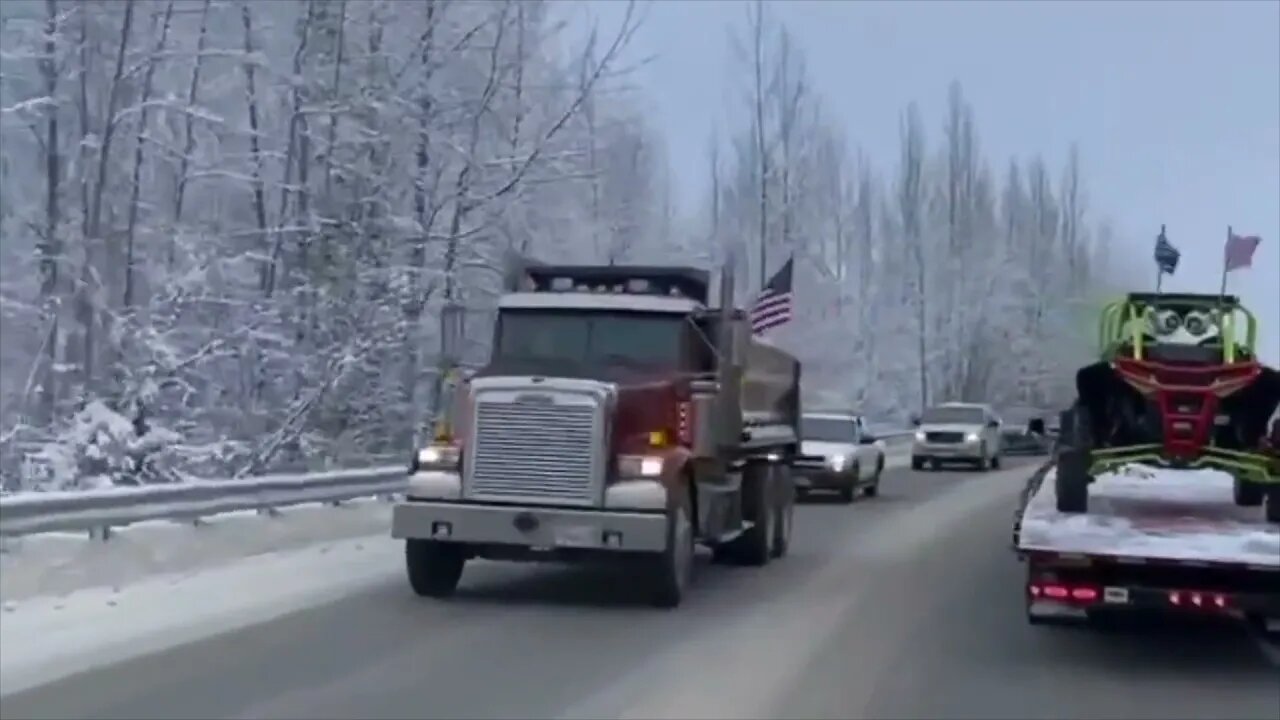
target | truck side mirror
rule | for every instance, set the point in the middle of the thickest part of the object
(915, 420)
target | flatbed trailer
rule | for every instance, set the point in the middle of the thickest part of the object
(1154, 540)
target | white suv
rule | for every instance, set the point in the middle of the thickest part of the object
(958, 432)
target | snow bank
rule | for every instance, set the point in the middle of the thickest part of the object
(58, 563)
(45, 639)
(1153, 512)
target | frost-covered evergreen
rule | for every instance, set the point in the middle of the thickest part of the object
(229, 227)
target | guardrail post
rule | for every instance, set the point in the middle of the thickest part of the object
(269, 511)
(101, 532)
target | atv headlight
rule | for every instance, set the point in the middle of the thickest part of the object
(1198, 323)
(837, 462)
(1166, 322)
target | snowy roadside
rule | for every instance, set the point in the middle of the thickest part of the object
(50, 564)
(47, 638)
(59, 563)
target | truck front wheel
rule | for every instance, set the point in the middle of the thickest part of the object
(434, 568)
(673, 567)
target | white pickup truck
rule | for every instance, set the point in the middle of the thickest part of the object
(838, 453)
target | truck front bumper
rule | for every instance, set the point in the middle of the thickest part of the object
(529, 528)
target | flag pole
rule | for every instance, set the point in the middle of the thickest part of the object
(1159, 268)
(1222, 292)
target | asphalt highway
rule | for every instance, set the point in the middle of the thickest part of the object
(907, 605)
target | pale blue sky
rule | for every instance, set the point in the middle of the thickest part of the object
(1176, 105)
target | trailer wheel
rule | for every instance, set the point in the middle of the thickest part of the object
(434, 568)
(1247, 494)
(1071, 483)
(1272, 509)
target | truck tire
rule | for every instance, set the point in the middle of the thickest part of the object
(917, 463)
(874, 488)
(754, 546)
(850, 490)
(1272, 503)
(1247, 494)
(1071, 482)
(434, 568)
(785, 493)
(672, 569)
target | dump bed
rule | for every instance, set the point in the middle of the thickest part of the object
(1147, 514)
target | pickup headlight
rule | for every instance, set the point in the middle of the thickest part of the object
(639, 466)
(837, 462)
(437, 457)
(972, 437)
(920, 436)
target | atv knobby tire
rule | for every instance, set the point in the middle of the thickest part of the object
(1272, 505)
(1071, 483)
(1247, 494)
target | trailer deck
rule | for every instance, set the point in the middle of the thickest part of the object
(1143, 513)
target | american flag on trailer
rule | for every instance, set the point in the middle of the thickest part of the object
(772, 306)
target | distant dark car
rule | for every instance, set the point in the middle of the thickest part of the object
(1029, 439)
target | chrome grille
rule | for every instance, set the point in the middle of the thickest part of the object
(944, 437)
(810, 461)
(535, 451)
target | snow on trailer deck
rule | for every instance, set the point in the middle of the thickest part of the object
(1156, 514)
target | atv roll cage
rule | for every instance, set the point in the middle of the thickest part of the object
(1123, 325)
(1186, 388)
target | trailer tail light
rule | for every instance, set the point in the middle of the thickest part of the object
(1196, 600)
(1083, 594)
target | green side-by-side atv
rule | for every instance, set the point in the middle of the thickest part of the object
(1178, 385)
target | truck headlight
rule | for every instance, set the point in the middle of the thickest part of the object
(972, 437)
(437, 457)
(837, 462)
(639, 466)
(919, 436)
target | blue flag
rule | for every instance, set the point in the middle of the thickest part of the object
(1166, 255)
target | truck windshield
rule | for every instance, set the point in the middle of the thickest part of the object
(591, 337)
(827, 429)
(961, 415)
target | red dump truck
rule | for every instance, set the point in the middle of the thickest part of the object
(620, 419)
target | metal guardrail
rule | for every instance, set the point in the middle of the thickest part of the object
(97, 511)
